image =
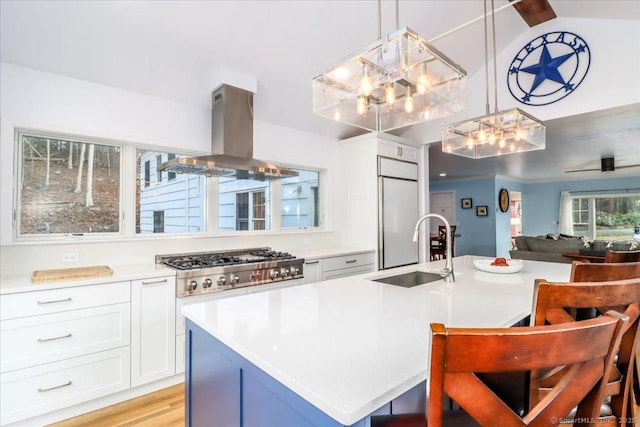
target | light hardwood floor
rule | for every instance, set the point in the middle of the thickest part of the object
(161, 408)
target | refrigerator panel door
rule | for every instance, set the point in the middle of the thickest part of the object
(398, 216)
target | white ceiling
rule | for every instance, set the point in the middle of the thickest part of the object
(172, 49)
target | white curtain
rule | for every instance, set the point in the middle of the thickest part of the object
(565, 225)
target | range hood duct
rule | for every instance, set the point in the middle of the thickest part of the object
(231, 142)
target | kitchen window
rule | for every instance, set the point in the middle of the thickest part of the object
(67, 186)
(181, 198)
(243, 204)
(300, 204)
(72, 187)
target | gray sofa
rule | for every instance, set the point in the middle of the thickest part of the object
(552, 246)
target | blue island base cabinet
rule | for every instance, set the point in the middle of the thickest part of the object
(225, 390)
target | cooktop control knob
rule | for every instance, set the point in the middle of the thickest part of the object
(274, 274)
(207, 283)
(284, 272)
(221, 281)
(234, 279)
(191, 286)
(295, 271)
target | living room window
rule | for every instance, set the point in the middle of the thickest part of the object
(606, 216)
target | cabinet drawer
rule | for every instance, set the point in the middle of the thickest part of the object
(56, 300)
(36, 340)
(347, 261)
(345, 272)
(29, 392)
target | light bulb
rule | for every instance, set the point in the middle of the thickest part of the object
(482, 137)
(518, 134)
(502, 143)
(423, 80)
(426, 113)
(492, 138)
(361, 105)
(336, 115)
(390, 95)
(470, 142)
(513, 146)
(408, 102)
(366, 85)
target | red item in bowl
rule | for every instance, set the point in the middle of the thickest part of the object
(500, 262)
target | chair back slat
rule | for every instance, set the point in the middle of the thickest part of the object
(459, 354)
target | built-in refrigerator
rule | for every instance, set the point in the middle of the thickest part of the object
(397, 212)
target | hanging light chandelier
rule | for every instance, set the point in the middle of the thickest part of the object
(397, 81)
(494, 134)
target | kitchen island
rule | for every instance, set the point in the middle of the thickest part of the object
(332, 353)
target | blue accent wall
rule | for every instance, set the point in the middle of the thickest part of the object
(477, 233)
(491, 235)
(541, 201)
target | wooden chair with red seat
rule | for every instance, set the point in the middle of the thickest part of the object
(438, 249)
(459, 354)
(556, 303)
(622, 256)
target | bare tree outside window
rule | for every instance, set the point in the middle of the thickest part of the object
(58, 195)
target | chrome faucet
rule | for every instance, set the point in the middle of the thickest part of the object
(447, 273)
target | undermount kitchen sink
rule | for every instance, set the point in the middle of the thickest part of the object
(411, 279)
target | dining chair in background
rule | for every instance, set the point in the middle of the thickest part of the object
(622, 256)
(558, 303)
(438, 249)
(585, 348)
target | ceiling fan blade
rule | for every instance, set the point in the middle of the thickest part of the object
(535, 12)
(599, 169)
(582, 170)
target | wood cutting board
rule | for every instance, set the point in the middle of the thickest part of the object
(64, 274)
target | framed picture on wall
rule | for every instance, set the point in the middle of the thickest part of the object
(467, 203)
(481, 211)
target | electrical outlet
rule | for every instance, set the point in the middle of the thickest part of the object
(71, 257)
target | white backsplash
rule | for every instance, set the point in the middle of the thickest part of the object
(23, 259)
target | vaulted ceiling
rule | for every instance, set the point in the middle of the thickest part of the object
(171, 49)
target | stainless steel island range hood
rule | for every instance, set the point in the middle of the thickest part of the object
(231, 142)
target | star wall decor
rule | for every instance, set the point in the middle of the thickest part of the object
(548, 68)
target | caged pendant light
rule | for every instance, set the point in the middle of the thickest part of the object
(494, 134)
(397, 81)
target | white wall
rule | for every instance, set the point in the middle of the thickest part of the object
(611, 81)
(36, 100)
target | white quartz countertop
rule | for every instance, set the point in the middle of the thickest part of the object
(350, 345)
(22, 283)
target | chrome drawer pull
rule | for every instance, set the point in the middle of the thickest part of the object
(54, 338)
(351, 261)
(151, 282)
(42, 390)
(312, 262)
(55, 301)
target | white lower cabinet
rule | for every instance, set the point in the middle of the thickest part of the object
(35, 340)
(62, 347)
(312, 271)
(44, 388)
(153, 329)
(347, 265)
(334, 267)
